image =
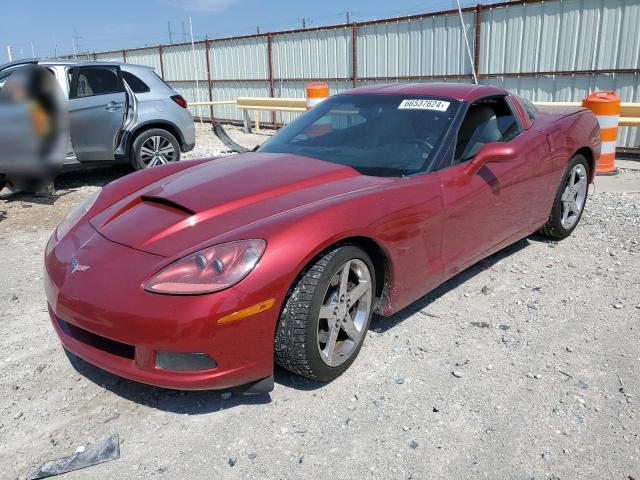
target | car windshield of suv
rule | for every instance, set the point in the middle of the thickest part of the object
(381, 135)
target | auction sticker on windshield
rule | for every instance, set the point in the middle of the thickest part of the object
(424, 104)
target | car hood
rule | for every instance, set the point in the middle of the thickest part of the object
(194, 206)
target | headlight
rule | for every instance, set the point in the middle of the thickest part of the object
(75, 216)
(209, 270)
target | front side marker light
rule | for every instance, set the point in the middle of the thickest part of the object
(247, 312)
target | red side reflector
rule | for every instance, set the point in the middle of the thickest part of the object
(179, 99)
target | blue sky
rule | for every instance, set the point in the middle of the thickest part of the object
(115, 24)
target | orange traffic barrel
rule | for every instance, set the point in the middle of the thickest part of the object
(606, 106)
(316, 92)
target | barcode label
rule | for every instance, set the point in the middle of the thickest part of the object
(424, 104)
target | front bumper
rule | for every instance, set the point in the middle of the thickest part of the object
(132, 325)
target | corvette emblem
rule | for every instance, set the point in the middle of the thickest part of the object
(77, 267)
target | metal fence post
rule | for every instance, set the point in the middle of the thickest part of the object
(206, 52)
(246, 119)
(161, 62)
(272, 89)
(354, 55)
(476, 53)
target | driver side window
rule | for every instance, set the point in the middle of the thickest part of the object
(486, 121)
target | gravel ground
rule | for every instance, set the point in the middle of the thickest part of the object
(525, 366)
(208, 144)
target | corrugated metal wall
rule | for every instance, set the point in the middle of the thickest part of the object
(543, 50)
(421, 47)
(564, 35)
(313, 54)
(109, 57)
(239, 59)
(148, 56)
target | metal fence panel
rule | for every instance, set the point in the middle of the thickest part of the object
(182, 63)
(109, 57)
(562, 35)
(382, 81)
(433, 45)
(244, 58)
(628, 51)
(313, 54)
(149, 57)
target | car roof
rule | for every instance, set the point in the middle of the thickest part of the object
(89, 62)
(66, 62)
(459, 91)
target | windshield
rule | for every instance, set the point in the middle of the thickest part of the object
(381, 135)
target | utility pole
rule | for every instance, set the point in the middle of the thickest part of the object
(305, 22)
(75, 40)
(195, 65)
(9, 53)
(466, 41)
(170, 34)
(348, 18)
(258, 29)
(55, 48)
(184, 33)
(33, 51)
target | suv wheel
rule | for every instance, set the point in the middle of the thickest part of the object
(154, 147)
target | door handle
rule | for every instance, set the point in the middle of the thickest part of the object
(113, 106)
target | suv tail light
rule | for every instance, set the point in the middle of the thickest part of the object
(179, 99)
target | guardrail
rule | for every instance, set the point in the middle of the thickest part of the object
(258, 104)
(270, 104)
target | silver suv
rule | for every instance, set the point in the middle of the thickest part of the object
(118, 112)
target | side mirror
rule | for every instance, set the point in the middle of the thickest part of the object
(495, 152)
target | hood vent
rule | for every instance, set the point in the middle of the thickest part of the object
(167, 203)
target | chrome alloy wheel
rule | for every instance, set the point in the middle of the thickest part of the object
(157, 150)
(344, 312)
(574, 196)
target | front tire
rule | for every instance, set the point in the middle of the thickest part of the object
(570, 200)
(327, 314)
(154, 147)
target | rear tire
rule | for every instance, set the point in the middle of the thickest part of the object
(154, 147)
(326, 316)
(570, 200)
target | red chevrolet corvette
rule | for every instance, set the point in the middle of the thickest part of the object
(197, 275)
